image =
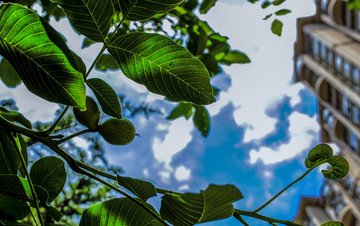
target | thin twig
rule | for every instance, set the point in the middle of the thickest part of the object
(56, 123)
(264, 218)
(74, 135)
(23, 163)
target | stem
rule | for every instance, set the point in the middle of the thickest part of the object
(300, 178)
(23, 163)
(264, 218)
(103, 49)
(239, 218)
(52, 128)
(74, 135)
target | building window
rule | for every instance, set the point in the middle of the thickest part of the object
(355, 115)
(323, 52)
(324, 5)
(353, 141)
(330, 59)
(356, 79)
(347, 68)
(338, 64)
(315, 48)
(357, 193)
(345, 106)
(299, 64)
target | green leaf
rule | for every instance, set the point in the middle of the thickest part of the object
(145, 9)
(267, 16)
(105, 62)
(14, 116)
(332, 223)
(235, 57)
(319, 153)
(87, 42)
(211, 64)
(252, 1)
(265, 4)
(16, 187)
(52, 9)
(202, 120)
(8, 74)
(80, 65)
(9, 158)
(90, 18)
(339, 168)
(278, 2)
(37, 52)
(282, 12)
(142, 189)
(354, 5)
(13, 209)
(182, 109)
(163, 66)
(276, 27)
(49, 173)
(43, 196)
(23, 148)
(215, 203)
(106, 96)
(120, 211)
(206, 5)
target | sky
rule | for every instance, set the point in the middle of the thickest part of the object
(262, 125)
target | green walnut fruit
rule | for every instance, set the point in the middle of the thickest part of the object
(117, 131)
(89, 118)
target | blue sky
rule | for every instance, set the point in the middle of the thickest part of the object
(262, 124)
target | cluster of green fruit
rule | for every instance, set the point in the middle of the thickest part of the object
(116, 131)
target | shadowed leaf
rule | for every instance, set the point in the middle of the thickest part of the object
(182, 109)
(142, 189)
(282, 12)
(276, 27)
(206, 5)
(8, 74)
(202, 120)
(13, 209)
(318, 154)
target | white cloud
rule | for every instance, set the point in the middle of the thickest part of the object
(164, 176)
(146, 173)
(182, 173)
(303, 130)
(179, 135)
(183, 188)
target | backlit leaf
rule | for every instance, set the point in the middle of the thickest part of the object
(163, 66)
(89, 17)
(182, 109)
(49, 173)
(107, 97)
(13, 209)
(37, 51)
(215, 203)
(145, 9)
(202, 120)
(105, 62)
(142, 189)
(8, 74)
(282, 12)
(235, 57)
(120, 211)
(276, 27)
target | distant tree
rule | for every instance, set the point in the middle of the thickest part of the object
(176, 63)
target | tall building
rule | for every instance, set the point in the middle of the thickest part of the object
(327, 60)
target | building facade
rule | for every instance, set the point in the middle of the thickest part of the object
(327, 60)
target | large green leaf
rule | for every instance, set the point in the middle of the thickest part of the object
(49, 173)
(215, 203)
(339, 168)
(163, 66)
(89, 17)
(14, 116)
(121, 211)
(332, 223)
(9, 158)
(145, 9)
(14, 186)
(106, 96)
(202, 120)
(142, 189)
(37, 53)
(8, 74)
(182, 109)
(13, 209)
